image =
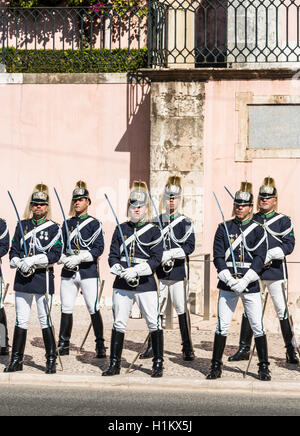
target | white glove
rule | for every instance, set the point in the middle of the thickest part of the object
(26, 264)
(242, 283)
(62, 259)
(226, 277)
(15, 262)
(85, 256)
(129, 274)
(143, 269)
(177, 253)
(167, 256)
(117, 269)
(72, 261)
(274, 253)
(41, 260)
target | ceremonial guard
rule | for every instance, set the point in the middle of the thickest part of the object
(239, 254)
(4, 247)
(83, 245)
(280, 243)
(135, 253)
(173, 273)
(36, 246)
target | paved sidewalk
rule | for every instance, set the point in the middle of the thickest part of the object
(83, 369)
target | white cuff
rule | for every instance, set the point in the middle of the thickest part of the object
(166, 256)
(41, 260)
(116, 269)
(143, 269)
(177, 253)
(62, 259)
(274, 253)
(85, 256)
(225, 276)
(251, 276)
(15, 262)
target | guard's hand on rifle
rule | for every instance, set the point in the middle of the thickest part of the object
(275, 253)
(242, 283)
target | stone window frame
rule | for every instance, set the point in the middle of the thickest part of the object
(242, 151)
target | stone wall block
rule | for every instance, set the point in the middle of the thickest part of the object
(180, 132)
(174, 158)
(190, 106)
(164, 105)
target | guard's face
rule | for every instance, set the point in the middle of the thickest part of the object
(81, 206)
(137, 214)
(39, 211)
(267, 205)
(172, 204)
(242, 212)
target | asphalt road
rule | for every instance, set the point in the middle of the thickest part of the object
(113, 402)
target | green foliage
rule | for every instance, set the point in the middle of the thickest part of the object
(120, 6)
(75, 61)
(33, 3)
(24, 3)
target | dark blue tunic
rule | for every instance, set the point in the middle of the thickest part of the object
(36, 283)
(254, 259)
(286, 242)
(87, 270)
(181, 232)
(152, 253)
(4, 240)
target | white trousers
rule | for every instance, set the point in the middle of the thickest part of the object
(69, 288)
(176, 289)
(253, 308)
(275, 290)
(23, 306)
(1, 292)
(147, 302)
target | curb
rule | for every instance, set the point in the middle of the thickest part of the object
(165, 383)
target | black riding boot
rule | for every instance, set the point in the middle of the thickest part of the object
(216, 362)
(66, 324)
(287, 335)
(116, 347)
(50, 347)
(148, 352)
(246, 334)
(187, 346)
(262, 353)
(98, 330)
(19, 341)
(157, 339)
(3, 326)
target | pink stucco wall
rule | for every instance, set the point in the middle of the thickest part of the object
(64, 133)
(220, 137)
